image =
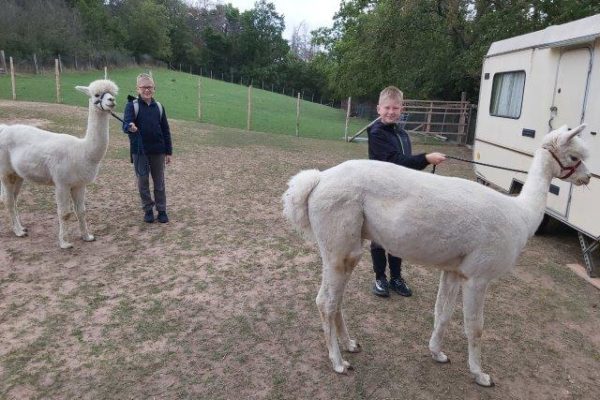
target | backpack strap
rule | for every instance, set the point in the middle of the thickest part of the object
(136, 108)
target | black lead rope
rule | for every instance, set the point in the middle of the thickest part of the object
(117, 117)
(480, 163)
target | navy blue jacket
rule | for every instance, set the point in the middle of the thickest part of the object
(391, 143)
(153, 130)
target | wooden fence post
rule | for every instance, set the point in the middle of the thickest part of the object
(12, 78)
(249, 120)
(57, 75)
(199, 100)
(462, 118)
(298, 116)
(35, 64)
(105, 72)
(347, 119)
(3, 61)
(429, 112)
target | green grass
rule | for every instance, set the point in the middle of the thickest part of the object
(223, 103)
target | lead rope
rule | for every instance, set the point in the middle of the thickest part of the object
(480, 163)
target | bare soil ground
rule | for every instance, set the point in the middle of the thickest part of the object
(219, 303)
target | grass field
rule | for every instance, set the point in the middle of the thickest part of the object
(223, 103)
(220, 302)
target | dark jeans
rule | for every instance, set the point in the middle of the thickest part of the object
(154, 165)
(378, 254)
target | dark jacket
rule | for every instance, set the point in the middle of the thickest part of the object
(391, 143)
(153, 130)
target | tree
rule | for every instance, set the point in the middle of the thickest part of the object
(260, 45)
(147, 27)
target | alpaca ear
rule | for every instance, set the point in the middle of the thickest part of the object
(83, 89)
(567, 136)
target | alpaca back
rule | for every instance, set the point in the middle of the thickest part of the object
(425, 218)
(295, 200)
(38, 155)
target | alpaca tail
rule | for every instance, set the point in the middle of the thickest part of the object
(295, 200)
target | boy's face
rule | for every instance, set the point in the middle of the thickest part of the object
(145, 88)
(389, 110)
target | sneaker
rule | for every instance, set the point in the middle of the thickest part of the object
(149, 216)
(399, 286)
(162, 217)
(380, 288)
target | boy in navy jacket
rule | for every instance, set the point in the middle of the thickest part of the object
(150, 145)
(389, 142)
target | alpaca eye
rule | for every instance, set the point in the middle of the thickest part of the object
(97, 95)
(574, 159)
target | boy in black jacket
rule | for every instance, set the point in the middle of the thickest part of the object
(389, 142)
(145, 120)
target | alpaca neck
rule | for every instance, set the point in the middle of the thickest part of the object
(96, 136)
(535, 190)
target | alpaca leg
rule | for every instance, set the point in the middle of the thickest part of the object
(78, 195)
(11, 186)
(351, 345)
(473, 300)
(63, 203)
(444, 307)
(329, 303)
(18, 185)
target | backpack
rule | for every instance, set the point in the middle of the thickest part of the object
(136, 108)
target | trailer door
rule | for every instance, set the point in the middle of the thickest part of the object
(568, 107)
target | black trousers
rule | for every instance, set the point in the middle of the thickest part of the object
(379, 255)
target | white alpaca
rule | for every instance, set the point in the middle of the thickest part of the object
(67, 162)
(472, 233)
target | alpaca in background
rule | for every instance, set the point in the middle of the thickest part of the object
(67, 162)
(472, 233)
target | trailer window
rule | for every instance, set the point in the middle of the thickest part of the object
(507, 94)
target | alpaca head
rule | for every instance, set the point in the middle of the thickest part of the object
(102, 94)
(569, 153)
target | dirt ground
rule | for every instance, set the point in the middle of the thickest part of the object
(219, 303)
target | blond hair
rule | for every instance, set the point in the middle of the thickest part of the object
(144, 77)
(391, 93)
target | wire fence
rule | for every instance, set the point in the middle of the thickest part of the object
(254, 110)
(191, 97)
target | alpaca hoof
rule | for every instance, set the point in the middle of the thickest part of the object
(484, 380)
(440, 357)
(66, 245)
(343, 368)
(21, 232)
(354, 346)
(88, 238)
(340, 369)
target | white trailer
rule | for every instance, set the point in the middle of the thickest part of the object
(532, 84)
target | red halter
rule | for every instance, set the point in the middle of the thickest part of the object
(571, 169)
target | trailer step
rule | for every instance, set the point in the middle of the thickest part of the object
(591, 255)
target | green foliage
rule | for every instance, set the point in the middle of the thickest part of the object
(43, 27)
(147, 27)
(429, 48)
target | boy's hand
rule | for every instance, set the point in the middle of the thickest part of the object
(435, 158)
(167, 159)
(132, 128)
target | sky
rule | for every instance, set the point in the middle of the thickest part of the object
(314, 13)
